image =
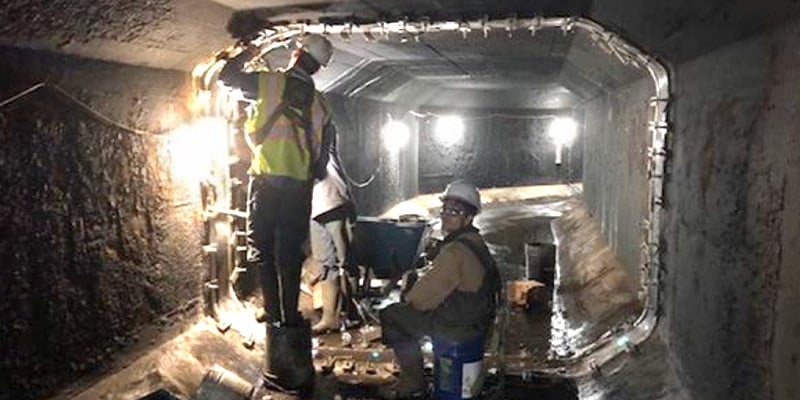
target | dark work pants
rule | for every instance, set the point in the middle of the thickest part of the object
(402, 328)
(401, 324)
(279, 211)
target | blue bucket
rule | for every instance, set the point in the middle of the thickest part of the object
(458, 371)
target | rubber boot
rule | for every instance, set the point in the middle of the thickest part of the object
(411, 382)
(330, 307)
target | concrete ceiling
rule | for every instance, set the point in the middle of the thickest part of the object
(549, 70)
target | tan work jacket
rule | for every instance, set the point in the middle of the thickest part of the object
(456, 267)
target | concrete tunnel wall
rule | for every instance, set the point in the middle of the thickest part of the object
(730, 282)
(499, 149)
(496, 152)
(510, 148)
(731, 234)
(615, 169)
(359, 121)
(98, 240)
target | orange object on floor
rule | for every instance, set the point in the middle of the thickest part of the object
(520, 293)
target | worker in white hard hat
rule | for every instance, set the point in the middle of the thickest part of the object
(285, 131)
(454, 301)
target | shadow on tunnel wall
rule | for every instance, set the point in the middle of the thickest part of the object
(98, 240)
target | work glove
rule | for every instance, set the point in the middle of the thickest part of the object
(246, 24)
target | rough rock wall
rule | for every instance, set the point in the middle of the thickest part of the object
(166, 34)
(496, 151)
(81, 20)
(97, 240)
(773, 188)
(732, 279)
(363, 152)
(615, 169)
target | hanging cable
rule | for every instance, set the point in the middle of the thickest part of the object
(372, 176)
(366, 182)
(361, 185)
(99, 116)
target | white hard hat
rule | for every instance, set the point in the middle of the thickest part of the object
(317, 46)
(463, 191)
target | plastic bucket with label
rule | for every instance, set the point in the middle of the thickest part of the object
(458, 369)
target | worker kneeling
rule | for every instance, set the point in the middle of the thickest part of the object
(454, 302)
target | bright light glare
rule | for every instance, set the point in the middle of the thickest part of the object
(449, 130)
(563, 131)
(198, 147)
(395, 135)
(427, 347)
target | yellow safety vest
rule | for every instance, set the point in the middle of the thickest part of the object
(284, 150)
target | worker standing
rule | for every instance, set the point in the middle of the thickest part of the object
(285, 134)
(455, 300)
(333, 216)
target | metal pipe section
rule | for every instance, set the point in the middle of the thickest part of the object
(621, 339)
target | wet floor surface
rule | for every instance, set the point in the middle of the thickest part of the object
(645, 374)
(507, 227)
(355, 370)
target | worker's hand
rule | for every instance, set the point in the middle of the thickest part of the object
(432, 248)
(246, 24)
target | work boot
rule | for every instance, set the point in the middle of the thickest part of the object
(288, 356)
(330, 307)
(411, 382)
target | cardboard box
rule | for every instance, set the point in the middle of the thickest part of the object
(523, 293)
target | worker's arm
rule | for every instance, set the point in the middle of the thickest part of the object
(233, 76)
(438, 283)
(326, 150)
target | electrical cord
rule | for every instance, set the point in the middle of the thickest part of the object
(85, 107)
(368, 181)
(372, 175)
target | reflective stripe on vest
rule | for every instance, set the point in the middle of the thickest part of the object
(284, 151)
